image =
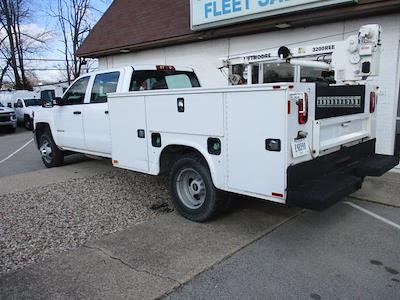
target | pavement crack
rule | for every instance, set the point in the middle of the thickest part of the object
(132, 267)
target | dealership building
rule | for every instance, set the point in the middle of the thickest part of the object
(204, 34)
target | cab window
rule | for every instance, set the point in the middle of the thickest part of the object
(162, 80)
(104, 84)
(76, 93)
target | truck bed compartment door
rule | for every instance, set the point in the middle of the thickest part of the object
(129, 132)
(253, 119)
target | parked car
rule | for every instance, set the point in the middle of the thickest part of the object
(8, 118)
(25, 110)
(9, 97)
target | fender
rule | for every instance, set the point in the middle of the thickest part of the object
(45, 116)
(217, 179)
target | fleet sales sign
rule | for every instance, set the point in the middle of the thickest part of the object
(213, 13)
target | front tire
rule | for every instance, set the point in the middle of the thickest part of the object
(193, 193)
(28, 123)
(52, 156)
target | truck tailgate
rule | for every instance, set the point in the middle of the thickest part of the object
(334, 132)
(341, 117)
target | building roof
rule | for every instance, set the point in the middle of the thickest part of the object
(132, 25)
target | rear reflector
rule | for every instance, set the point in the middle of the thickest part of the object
(289, 107)
(303, 109)
(165, 68)
(372, 102)
(279, 195)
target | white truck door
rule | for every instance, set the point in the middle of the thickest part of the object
(68, 119)
(253, 118)
(96, 120)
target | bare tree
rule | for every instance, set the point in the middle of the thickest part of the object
(15, 44)
(74, 19)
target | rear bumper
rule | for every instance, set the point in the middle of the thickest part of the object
(320, 183)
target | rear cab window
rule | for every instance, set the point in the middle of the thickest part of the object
(144, 80)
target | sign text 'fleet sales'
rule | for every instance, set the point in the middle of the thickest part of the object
(213, 13)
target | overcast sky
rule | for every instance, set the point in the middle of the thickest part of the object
(39, 21)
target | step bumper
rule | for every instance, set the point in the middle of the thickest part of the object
(322, 182)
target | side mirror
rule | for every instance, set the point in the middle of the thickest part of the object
(59, 101)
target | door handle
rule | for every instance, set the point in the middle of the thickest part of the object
(181, 105)
(77, 112)
(106, 112)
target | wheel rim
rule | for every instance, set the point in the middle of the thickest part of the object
(191, 188)
(46, 151)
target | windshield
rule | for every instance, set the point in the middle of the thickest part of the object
(32, 102)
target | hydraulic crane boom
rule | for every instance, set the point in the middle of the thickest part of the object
(354, 59)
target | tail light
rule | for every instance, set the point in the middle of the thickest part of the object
(372, 102)
(303, 109)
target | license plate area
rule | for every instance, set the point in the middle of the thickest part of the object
(300, 148)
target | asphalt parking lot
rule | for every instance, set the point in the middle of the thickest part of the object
(87, 230)
(18, 153)
(342, 253)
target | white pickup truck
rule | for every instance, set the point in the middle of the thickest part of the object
(295, 143)
(25, 109)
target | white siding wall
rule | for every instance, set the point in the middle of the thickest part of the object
(204, 58)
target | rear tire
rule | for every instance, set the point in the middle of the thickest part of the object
(52, 156)
(193, 193)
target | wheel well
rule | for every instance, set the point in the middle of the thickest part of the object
(40, 129)
(173, 152)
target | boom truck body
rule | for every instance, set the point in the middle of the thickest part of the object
(304, 144)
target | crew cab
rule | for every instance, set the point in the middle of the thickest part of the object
(80, 120)
(297, 143)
